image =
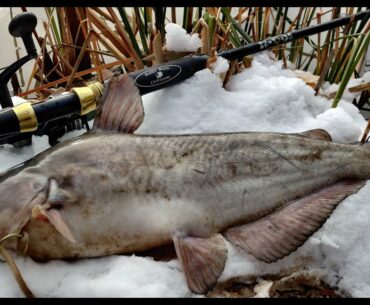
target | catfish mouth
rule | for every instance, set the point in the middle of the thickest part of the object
(19, 195)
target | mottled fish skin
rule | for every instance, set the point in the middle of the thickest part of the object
(120, 193)
(108, 193)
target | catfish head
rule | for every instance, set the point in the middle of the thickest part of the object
(19, 195)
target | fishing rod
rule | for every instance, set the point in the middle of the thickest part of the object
(178, 70)
(48, 117)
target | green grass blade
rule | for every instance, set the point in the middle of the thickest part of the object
(311, 16)
(237, 26)
(337, 67)
(248, 27)
(160, 18)
(260, 18)
(310, 60)
(129, 31)
(141, 30)
(276, 21)
(231, 20)
(185, 18)
(357, 53)
(200, 11)
(363, 22)
(211, 21)
(54, 25)
(289, 21)
(146, 22)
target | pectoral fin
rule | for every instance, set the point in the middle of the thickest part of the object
(55, 218)
(202, 260)
(282, 232)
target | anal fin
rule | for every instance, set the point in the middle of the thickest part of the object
(202, 259)
(282, 232)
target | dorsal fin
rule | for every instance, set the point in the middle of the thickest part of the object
(121, 108)
(316, 134)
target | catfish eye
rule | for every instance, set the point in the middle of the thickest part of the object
(37, 183)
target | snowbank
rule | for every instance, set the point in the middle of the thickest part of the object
(264, 97)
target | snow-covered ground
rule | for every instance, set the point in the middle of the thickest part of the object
(264, 97)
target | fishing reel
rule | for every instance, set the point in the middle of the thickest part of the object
(54, 130)
(22, 26)
(55, 118)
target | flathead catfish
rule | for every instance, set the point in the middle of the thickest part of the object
(111, 192)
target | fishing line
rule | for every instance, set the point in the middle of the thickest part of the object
(13, 267)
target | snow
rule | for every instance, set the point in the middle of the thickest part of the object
(220, 66)
(14, 156)
(366, 77)
(264, 97)
(18, 100)
(347, 95)
(179, 41)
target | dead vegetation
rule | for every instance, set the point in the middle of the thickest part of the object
(299, 284)
(79, 44)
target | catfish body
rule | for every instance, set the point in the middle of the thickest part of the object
(125, 193)
(113, 193)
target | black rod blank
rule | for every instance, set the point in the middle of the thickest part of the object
(239, 53)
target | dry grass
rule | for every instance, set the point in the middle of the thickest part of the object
(77, 41)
